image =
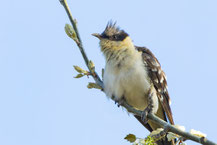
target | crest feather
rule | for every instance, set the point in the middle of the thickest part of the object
(111, 29)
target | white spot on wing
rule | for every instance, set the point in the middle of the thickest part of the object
(154, 69)
(161, 80)
(161, 98)
(156, 81)
(170, 102)
(165, 77)
(165, 89)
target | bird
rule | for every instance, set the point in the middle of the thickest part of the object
(132, 73)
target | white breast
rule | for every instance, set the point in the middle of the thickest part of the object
(129, 81)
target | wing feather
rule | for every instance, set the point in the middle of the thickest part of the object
(158, 78)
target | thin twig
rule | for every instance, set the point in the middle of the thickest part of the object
(80, 45)
(150, 116)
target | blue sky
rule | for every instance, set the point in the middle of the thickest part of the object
(42, 104)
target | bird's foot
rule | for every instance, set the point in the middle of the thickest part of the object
(120, 101)
(148, 109)
(145, 113)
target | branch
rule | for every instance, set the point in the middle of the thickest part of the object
(171, 128)
(80, 45)
(99, 82)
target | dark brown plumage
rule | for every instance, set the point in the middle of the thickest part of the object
(114, 33)
(158, 78)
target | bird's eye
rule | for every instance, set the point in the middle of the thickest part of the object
(104, 35)
(115, 36)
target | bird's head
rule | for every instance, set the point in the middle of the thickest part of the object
(113, 38)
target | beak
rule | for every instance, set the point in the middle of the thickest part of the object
(97, 35)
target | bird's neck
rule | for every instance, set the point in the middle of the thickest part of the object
(124, 57)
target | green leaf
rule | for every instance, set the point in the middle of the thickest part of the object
(70, 32)
(150, 141)
(91, 66)
(80, 70)
(130, 137)
(93, 85)
(79, 76)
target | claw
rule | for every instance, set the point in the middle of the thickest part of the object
(145, 113)
(148, 109)
(119, 102)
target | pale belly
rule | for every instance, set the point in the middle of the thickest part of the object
(131, 83)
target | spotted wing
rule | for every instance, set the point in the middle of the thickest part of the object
(158, 78)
